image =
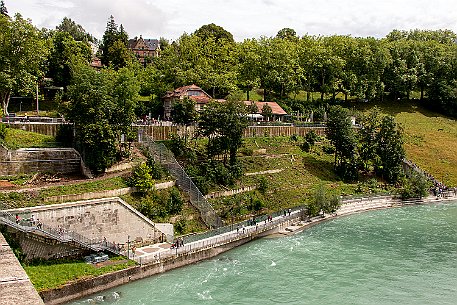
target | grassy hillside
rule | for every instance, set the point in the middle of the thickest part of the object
(17, 138)
(430, 139)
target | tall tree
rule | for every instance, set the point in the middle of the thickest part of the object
(212, 31)
(23, 52)
(101, 106)
(341, 135)
(223, 124)
(75, 30)
(390, 149)
(65, 53)
(114, 45)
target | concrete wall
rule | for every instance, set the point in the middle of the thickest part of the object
(111, 218)
(35, 246)
(28, 160)
(15, 285)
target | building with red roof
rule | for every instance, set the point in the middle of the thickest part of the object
(277, 112)
(194, 92)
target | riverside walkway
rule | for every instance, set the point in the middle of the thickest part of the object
(280, 223)
(216, 238)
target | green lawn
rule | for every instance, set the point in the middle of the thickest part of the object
(53, 274)
(37, 197)
(430, 139)
(17, 138)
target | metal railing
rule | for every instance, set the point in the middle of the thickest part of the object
(59, 234)
(240, 225)
(222, 237)
(164, 156)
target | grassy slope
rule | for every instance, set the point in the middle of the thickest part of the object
(430, 139)
(53, 274)
(17, 138)
(294, 186)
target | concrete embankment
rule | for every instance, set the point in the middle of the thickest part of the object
(15, 285)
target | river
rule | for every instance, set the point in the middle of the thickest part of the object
(395, 256)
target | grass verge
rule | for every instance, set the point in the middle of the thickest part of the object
(55, 273)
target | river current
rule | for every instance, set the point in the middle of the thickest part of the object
(396, 256)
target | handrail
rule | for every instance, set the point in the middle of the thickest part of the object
(164, 156)
(59, 234)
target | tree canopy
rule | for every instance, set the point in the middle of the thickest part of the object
(23, 52)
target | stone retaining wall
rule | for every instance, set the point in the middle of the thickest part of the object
(105, 194)
(109, 218)
(29, 160)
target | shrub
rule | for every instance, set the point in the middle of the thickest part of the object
(416, 186)
(306, 146)
(141, 178)
(3, 130)
(155, 169)
(65, 135)
(262, 185)
(328, 149)
(175, 202)
(311, 137)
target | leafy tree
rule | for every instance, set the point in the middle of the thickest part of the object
(23, 52)
(368, 137)
(248, 59)
(75, 30)
(262, 185)
(101, 106)
(141, 179)
(183, 111)
(212, 31)
(341, 135)
(390, 149)
(267, 112)
(287, 33)
(223, 124)
(65, 54)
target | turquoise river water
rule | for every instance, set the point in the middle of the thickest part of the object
(396, 256)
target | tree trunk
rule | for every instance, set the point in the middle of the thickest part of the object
(322, 97)
(422, 94)
(346, 97)
(214, 92)
(247, 95)
(5, 101)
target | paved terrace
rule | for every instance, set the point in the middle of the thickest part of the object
(15, 285)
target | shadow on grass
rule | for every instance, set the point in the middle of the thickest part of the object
(322, 169)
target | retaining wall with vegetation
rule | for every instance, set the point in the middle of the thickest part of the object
(30, 160)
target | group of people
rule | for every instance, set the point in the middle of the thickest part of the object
(34, 222)
(179, 242)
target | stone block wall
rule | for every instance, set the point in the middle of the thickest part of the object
(109, 218)
(28, 160)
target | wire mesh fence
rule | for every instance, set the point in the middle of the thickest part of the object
(164, 156)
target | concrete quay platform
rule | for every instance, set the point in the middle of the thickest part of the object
(15, 285)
